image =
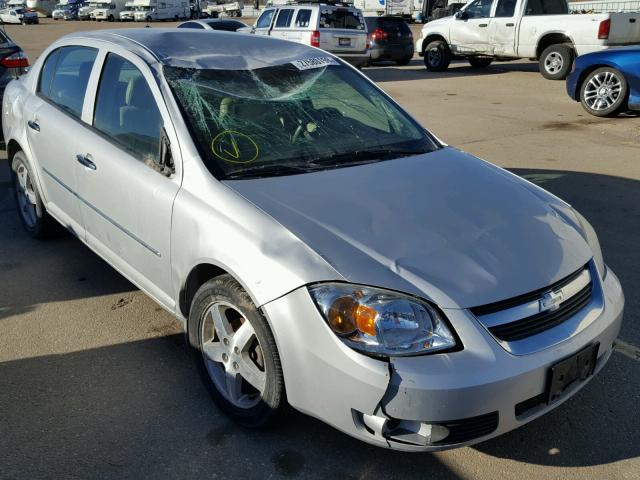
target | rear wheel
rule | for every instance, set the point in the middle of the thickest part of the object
(555, 62)
(437, 56)
(236, 353)
(604, 92)
(110, 18)
(480, 62)
(31, 210)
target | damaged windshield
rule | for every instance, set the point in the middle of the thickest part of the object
(307, 115)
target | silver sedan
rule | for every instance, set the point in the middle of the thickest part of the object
(321, 247)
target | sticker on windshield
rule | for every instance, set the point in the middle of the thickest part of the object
(234, 147)
(315, 62)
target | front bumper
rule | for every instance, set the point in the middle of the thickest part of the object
(481, 388)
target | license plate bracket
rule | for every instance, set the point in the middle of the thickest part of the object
(577, 367)
(344, 42)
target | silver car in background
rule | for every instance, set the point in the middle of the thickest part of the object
(321, 247)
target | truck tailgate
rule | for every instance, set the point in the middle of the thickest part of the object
(625, 29)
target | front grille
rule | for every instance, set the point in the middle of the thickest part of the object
(468, 428)
(542, 320)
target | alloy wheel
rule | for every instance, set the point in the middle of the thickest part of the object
(434, 57)
(602, 90)
(553, 63)
(26, 195)
(233, 355)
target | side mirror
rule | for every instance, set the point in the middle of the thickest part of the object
(461, 15)
(165, 163)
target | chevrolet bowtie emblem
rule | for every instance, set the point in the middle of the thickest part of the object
(551, 301)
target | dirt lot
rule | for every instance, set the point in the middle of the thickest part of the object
(95, 381)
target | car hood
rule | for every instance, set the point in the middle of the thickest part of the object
(444, 225)
(435, 24)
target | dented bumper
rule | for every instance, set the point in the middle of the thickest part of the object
(429, 402)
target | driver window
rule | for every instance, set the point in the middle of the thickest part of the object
(126, 111)
(265, 19)
(479, 9)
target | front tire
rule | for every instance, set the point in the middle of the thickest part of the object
(555, 62)
(437, 56)
(31, 210)
(111, 18)
(480, 62)
(604, 92)
(236, 353)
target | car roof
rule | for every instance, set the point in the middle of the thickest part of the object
(201, 49)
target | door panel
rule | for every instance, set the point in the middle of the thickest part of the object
(503, 28)
(470, 32)
(53, 147)
(126, 201)
(53, 117)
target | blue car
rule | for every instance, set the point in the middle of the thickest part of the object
(607, 82)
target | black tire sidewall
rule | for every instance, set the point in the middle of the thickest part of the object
(226, 289)
(567, 61)
(445, 56)
(44, 224)
(620, 104)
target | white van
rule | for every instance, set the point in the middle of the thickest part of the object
(337, 28)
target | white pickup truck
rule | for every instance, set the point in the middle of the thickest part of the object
(543, 30)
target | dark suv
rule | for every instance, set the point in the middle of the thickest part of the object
(13, 63)
(390, 39)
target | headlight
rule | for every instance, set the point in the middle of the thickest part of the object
(592, 239)
(380, 322)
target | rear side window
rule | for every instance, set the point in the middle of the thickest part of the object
(126, 110)
(265, 19)
(303, 18)
(284, 18)
(68, 83)
(505, 8)
(341, 18)
(46, 74)
(546, 7)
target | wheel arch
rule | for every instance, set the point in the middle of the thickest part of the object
(430, 38)
(198, 276)
(13, 147)
(553, 38)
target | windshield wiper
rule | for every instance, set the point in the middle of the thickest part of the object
(267, 170)
(360, 157)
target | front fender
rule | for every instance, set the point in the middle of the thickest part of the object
(213, 224)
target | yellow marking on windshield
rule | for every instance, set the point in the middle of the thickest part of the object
(234, 147)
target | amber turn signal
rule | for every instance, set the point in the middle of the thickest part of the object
(346, 316)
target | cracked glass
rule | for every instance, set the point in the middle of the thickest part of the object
(303, 116)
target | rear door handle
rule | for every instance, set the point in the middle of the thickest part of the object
(86, 161)
(510, 24)
(482, 25)
(33, 125)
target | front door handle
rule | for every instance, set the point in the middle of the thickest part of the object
(510, 24)
(33, 125)
(483, 25)
(86, 161)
